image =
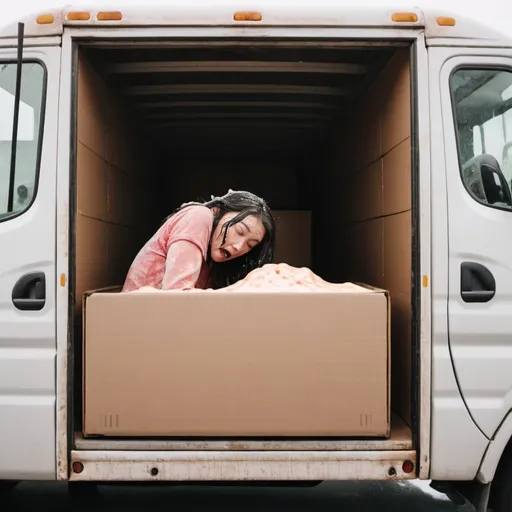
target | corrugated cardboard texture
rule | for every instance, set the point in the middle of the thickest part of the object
(174, 364)
(113, 192)
(293, 238)
(366, 210)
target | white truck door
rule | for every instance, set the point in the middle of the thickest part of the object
(27, 263)
(476, 91)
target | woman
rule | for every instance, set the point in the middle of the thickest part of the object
(209, 245)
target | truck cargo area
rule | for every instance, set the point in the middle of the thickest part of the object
(323, 127)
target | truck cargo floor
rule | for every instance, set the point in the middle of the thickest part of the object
(400, 439)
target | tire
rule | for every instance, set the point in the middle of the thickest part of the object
(501, 488)
(6, 486)
(83, 494)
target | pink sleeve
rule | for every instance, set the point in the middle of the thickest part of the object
(194, 225)
(183, 265)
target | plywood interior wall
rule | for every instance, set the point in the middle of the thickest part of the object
(114, 186)
(366, 209)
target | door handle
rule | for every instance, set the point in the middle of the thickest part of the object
(477, 283)
(29, 292)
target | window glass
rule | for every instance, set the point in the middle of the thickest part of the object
(482, 101)
(24, 183)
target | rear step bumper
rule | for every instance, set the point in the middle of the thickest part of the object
(186, 466)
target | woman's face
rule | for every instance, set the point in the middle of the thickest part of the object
(240, 238)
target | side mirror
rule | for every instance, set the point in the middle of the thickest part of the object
(15, 122)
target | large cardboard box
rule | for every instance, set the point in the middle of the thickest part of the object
(293, 237)
(237, 364)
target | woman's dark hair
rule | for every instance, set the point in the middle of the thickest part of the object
(246, 204)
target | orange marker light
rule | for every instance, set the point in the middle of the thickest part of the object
(446, 21)
(78, 16)
(247, 16)
(45, 19)
(425, 281)
(109, 16)
(405, 17)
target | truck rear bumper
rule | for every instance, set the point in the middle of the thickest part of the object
(187, 466)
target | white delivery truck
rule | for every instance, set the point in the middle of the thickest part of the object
(393, 127)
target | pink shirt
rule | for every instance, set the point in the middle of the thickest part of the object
(175, 257)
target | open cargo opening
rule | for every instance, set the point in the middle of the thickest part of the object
(320, 129)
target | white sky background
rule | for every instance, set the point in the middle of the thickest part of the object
(497, 13)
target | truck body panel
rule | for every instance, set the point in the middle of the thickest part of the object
(460, 361)
(27, 336)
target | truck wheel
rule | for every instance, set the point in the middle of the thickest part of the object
(500, 499)
(83, 493)
(6, 486)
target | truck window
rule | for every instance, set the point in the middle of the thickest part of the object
(28, 145)
(482, 103)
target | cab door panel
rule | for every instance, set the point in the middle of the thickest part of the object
(27, 266)
(476, 95)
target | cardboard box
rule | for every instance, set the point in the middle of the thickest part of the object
(237, 364)
(293, 240)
